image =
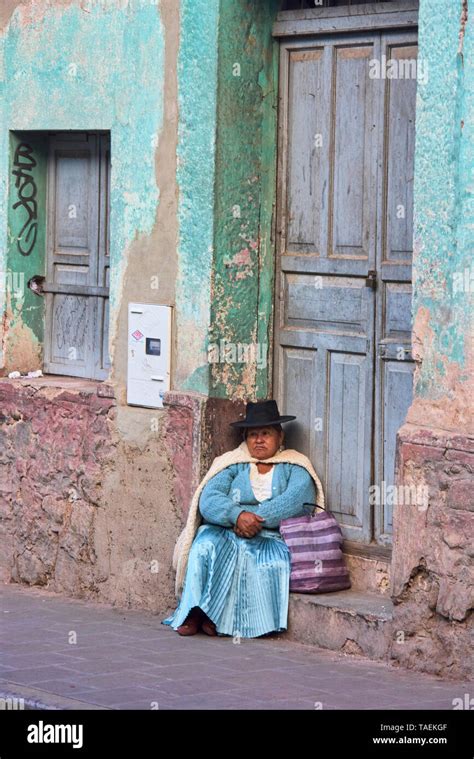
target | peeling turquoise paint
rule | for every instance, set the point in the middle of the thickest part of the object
(226, 158)
(197, 92)
(245, 189)
(26, 307)
(444, 197)
(100, 67)
(97, 70)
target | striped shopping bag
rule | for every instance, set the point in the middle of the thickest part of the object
(317, 561)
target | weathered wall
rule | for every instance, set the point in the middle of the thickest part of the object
(87, 66)
(242, 289)
(151, 261)
(148, 72)
(197, 97)
(91, 66)
(162, 77)
(93, 495)
(443, 224)
(432, 568)
(432, 576)
(25, 252)
(86, 502)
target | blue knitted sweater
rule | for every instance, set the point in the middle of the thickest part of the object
(229, 493)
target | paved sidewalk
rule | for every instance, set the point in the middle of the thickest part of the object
(129, 660)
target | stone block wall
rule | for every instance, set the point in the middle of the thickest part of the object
(93, 495)
(432, 564)
(87, 504)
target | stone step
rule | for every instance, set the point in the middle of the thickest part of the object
(369, 574)
(350, 621)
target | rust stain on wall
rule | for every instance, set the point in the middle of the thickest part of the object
(7, 8)
(24, 351)
(452, 408)
(464, 15)
(31, 11)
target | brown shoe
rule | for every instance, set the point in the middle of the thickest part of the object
(192, 623)
(208, 626)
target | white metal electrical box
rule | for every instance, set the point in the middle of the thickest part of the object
(149, 354)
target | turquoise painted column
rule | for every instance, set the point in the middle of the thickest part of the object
(444, 218)
(243, 282)
(197, 99)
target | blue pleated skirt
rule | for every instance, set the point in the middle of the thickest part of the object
(242, 584)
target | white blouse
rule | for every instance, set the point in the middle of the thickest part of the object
(261, 483)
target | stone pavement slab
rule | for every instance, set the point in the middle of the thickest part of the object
(62, 653)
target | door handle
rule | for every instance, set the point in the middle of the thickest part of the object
(37, 284)
(371, 279)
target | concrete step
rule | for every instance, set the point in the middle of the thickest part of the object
(351, 621)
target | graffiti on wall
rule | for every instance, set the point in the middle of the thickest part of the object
(23, 165)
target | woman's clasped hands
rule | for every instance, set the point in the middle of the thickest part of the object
(248, 524)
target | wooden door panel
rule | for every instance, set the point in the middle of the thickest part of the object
(394, 364)
(397, 392)
(349, 389)
(351, 158)
(399, 153)
(73, 205)
(397, 319)
(326, 303)
(299, 366)
(70, 320)
(307, 124)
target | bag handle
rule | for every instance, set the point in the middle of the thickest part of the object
(315, 506)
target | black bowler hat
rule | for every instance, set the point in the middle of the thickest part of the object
(262, 414)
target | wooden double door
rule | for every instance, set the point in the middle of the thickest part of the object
(342, 358)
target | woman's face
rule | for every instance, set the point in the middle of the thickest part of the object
(263, 442)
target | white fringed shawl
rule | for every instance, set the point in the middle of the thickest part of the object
(238, 455)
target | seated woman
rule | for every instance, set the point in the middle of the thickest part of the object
(231, 562)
